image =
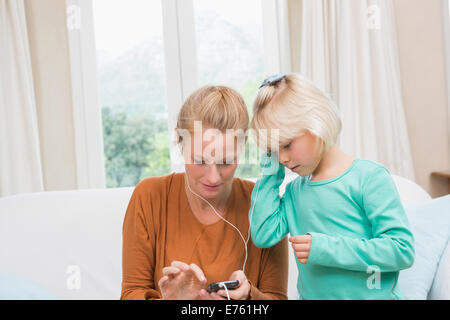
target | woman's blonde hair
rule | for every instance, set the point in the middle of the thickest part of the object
(216, 107)
(294, 105)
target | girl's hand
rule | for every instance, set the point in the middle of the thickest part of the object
(242, 292)
(181, 281)
(302, 247)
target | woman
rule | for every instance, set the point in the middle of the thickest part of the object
(184, 231)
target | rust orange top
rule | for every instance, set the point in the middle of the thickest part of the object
(159, 227)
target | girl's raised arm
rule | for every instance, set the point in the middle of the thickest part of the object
(268, 211)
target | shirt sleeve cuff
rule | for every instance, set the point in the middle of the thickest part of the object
(254, 293)
(269, 163)
(317, 251)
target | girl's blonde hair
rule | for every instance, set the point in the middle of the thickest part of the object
(217, 107)
(294, 105)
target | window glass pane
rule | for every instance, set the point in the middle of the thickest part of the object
(230, 52)
(132, 92)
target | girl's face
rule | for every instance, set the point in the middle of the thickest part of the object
(210, 171)
(300, 155)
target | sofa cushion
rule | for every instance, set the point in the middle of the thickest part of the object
(430, 225)
(440, 290)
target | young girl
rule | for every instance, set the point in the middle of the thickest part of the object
(348, 228)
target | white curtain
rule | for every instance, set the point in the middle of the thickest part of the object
(349, 49)
(20, 164)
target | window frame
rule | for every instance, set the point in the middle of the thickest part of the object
(181, 74)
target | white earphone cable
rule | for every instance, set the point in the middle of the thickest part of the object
(226, 289)
(240, 234)
(212, 207)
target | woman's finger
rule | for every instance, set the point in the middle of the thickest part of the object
(235, 294)
(204, 294)
(216, 296)
(170, 271)
(181, 265)
(241, 292)
(198, 272)
(210, 295)
(238, 275)
(163, 281)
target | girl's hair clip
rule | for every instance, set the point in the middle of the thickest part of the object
(272, 80)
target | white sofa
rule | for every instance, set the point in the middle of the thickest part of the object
(69, 243)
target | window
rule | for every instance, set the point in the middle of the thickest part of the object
(145, 58)
(230, 51)
(132, 91)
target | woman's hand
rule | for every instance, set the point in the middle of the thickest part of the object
(302, 247)
(205, 295)
(181, 281)
(242, 292)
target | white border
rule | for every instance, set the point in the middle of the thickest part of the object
(86, 108)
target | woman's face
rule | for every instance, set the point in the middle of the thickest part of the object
(211, 165)
(300, 154)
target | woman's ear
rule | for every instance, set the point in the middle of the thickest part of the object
(178, 140)
(180, 146)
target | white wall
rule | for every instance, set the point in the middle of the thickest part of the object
(420, 31)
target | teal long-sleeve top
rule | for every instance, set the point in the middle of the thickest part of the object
(360, 233)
